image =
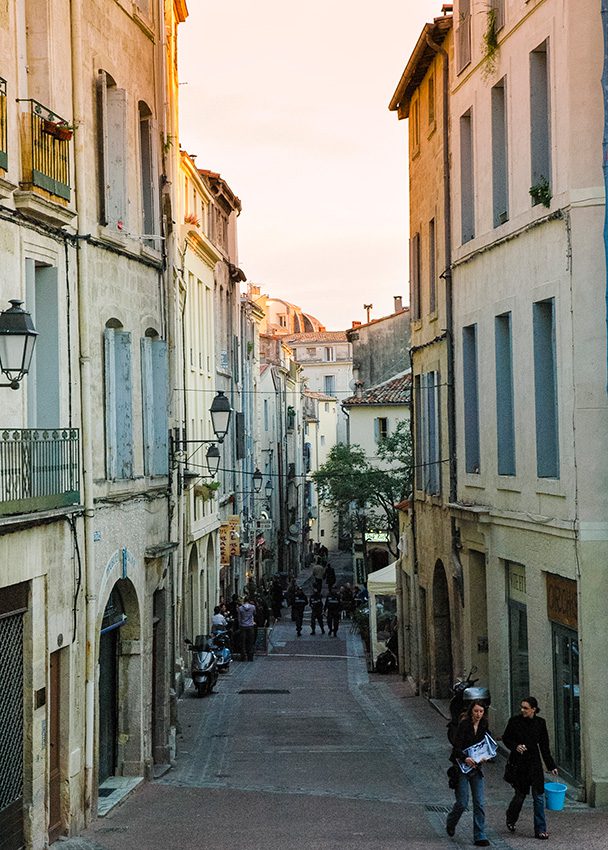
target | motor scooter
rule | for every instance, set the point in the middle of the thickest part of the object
(464, 692)
(219, 643)
(203, 666)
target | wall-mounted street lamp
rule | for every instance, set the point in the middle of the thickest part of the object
(220, 416)
(221, 413)
(268, 489)
(17, 341)
(258, 479)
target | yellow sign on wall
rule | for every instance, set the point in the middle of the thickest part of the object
(230, 539)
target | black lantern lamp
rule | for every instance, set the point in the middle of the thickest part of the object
(268, 489)
(17, 341)
(257, 481)
(213, 460)
(220, 415)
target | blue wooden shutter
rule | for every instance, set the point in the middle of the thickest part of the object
(124, 405)
(147, 403)
(160, 379)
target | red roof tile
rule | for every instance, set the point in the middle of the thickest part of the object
(394, 391)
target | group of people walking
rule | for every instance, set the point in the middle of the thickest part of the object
(527, 740)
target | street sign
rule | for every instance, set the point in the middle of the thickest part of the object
(264, 524)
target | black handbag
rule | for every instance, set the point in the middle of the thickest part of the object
(511, 773)
(453, 773)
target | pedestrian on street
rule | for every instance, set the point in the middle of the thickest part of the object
(527, 738)
(318, 573)
(348, 600)
(316, 611)
(330, 576)
(247, 627)
(276, 598)
(300, 601)
(290, 595)
(333, 608)
(471, 730)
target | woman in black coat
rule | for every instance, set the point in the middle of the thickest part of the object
(527, 739)
(471, 730)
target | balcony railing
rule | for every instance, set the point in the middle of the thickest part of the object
(46, 150)
(39, 470)
(3, 128)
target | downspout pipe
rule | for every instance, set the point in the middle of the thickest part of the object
(80, 172)
(604, 12)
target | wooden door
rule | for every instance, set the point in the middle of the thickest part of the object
(55, 821)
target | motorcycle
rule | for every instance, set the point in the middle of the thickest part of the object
(203, 666)
(463, 693)
(219, 644)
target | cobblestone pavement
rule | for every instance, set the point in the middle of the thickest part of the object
(303, 750)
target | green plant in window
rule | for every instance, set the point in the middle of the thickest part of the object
(490, 43)
(540, 192)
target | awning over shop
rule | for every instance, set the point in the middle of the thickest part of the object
(380, 583)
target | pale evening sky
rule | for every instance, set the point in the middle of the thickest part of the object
(289, 103)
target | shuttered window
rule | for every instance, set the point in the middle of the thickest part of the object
(154, 378)
(119, 404)
(112, 152)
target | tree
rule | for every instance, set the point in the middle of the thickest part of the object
(363, 494)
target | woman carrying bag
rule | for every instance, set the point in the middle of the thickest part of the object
(527, 739)
(471, 730)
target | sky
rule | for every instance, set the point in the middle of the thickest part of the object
(289, 103)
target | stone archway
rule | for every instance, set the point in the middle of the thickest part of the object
(442, 634)
(191, 612)
(120, 714)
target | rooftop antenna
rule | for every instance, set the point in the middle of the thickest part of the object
(368, 309)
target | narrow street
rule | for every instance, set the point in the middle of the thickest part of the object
(303, 749)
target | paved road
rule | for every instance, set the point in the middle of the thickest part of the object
(303, 750)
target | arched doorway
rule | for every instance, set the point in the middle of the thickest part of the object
(191, 601)
(119, 676)
(442, 633)
(377, 558)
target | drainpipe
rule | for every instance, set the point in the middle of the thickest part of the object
(80, 171)
(447, 276)
(604, 10)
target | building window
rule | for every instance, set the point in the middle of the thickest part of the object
(545, 389)
(380, 428)
(463, 35)
(282, 320)
(112, 152)
(415, 276)
(415, 125)
(266, 418)
(431, 100)
(540, 121)
(311, 352)
(154, 381)
(42, 298)
(505, 418)
(471, 399)
(326, 405)
(329, 384)
(500, 183)
(467, 185)
(432, 268)
(426, 412)
(519, 670)
(118, 402)
(498, 7)
(148, 183)
(322, 439)
(330, 354)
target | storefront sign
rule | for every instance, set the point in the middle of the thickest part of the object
(230, 539)
(562, 606)
(517, 583)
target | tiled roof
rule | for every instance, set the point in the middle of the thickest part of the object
(394, 391)
(317, 336)
(319, 396)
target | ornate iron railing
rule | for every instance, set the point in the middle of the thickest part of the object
(3, 127)
(39, 469)
(47, 150)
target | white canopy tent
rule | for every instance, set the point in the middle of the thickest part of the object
(381, 583)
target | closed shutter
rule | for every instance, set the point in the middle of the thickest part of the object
(160, 378)
(240, 436)
(119, 405)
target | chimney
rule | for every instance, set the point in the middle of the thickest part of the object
(356, 324)
(359, 389)
(398, 303)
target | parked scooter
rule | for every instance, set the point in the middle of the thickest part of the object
(203, 666)
(465, 692)
(219, 644)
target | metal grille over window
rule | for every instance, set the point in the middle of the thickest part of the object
(11, 710)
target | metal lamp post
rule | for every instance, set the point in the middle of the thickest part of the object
(17, 341)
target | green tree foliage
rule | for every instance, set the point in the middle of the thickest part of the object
(362, 493)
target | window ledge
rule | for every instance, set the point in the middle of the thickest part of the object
(506, 482)
(151, 253)
(550, 487)
(6, 187)
(109, 234)
(36, 206)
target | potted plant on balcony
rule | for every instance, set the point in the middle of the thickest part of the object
(58, 129)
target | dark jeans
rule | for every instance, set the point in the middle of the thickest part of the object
(247, 642)
(461, 792)
(538, 801)
(333, 621)
(298, 616)
(314, 619)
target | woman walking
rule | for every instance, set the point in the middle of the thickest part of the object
(527, 739)
(471, 730)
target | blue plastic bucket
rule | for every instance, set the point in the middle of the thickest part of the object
(555, 795)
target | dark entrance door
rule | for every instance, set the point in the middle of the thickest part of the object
(567, 701)
(108, 681)
(443, 633)
(13, 602)
(55, 823)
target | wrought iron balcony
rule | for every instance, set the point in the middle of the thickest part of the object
(3, 127)
(39, 469)
(46, 150)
